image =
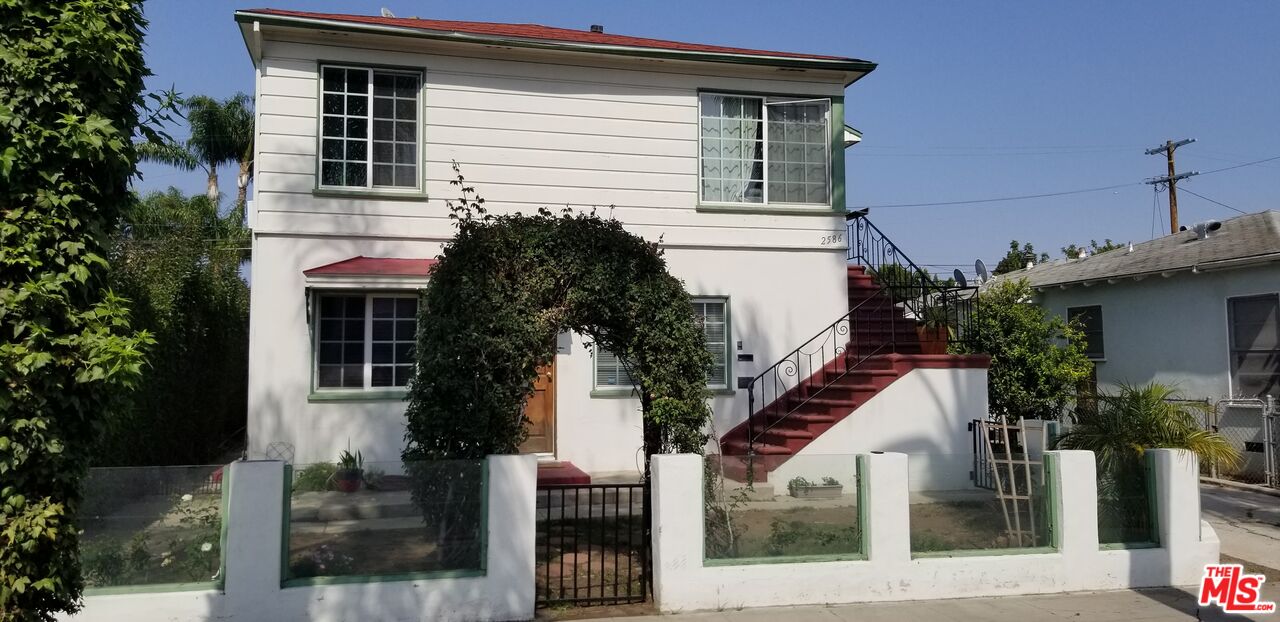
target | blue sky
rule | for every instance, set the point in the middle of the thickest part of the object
(972, 100)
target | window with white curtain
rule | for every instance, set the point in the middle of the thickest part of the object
(765, 149)
(369, 128)
(713, 317)
(1255, 345)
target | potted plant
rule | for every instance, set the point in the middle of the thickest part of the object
(937, 325)
(350, 471)
(802, 488)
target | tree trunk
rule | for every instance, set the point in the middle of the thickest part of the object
(212, 191)
(242, 191)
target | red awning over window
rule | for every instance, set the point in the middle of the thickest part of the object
(375, 266)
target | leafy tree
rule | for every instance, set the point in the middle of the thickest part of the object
(1071, 251)
(221, 133)
(1016, 258)
(1037, 359)
(179, 262)
(71, 78)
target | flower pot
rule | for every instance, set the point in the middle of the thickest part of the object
(933, 339)
(817, 491)
(347, 480)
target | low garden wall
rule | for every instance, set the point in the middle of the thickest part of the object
(891, 560)
(255, 582)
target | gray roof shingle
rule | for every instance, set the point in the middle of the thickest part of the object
(1243, 237)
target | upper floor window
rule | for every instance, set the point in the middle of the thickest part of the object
(765, 149)
(1089, 321)
(1255, 345)
(364, 341)
(369, 128)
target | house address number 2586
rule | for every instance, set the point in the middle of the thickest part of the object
(836, 237)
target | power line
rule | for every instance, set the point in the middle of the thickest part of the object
(1192, 192)
(1228, 168)
(999, 199)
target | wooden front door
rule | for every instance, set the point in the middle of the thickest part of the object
(541, 411)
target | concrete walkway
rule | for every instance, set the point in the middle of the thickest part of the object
(1248, 524)
(1122, 606)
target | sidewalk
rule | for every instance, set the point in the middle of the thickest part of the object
(1121, 606)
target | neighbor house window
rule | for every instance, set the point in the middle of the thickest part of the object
(1089, 321)
(364, 341)
(1255, 345)
(765, 149)
(369, 128)
(713, 317)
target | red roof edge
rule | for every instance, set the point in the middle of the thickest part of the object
(536, 32)
(375, 266)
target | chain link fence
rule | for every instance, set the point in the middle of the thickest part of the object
(1252, 426)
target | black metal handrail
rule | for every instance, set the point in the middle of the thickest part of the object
(928, 301)
(907, 294)
(819, 363)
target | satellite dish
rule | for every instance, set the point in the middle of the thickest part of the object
(981, 269)
(959, 276)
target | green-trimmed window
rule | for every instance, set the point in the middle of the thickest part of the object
(713, 316)
(364, 341)
(369, 128)
(765, 149)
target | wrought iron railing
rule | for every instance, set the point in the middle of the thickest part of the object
(931, 302)
(880, 323)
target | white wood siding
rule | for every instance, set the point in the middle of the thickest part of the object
(529, 129)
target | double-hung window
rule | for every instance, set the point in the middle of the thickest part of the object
(364, 341)
(369, 128)
(1255, 345)
(765, 149)
(713, 317)
(1089, 321)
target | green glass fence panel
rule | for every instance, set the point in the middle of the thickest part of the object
(386, 519)
(1126, 498)
(769, 509)
(149, 526)
(948, 515)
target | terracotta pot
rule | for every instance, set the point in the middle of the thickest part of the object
(347, 480)
(933, 339)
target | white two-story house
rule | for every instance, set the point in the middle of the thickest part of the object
(733, 157)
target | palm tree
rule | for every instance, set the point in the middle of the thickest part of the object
(1136, 418)
(221, 133)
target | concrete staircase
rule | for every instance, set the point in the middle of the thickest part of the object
(883, 345)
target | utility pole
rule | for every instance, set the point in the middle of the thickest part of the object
(1171, 180)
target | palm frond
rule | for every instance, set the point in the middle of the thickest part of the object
(170, 153)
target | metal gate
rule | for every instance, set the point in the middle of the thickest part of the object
(983, 472)
(592, 544)
(1252, 426)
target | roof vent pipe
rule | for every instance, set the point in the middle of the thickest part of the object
(597, 28)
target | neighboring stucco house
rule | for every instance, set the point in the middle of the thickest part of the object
(1196, 310)
(734, 158)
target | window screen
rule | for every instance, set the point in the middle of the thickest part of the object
(1255, 345)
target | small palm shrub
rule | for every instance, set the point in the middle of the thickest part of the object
(1119, 430)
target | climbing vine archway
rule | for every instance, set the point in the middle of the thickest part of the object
(505, 287)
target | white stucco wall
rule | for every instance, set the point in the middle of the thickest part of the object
(252, 589)
(777, 299)
(683, 582)
(1169, 330)
(925, 414)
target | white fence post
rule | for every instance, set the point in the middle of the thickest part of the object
(676, 498)
(888, 538)
(1073, 507)
(1177, 490)
(255, 533)
(512, 531)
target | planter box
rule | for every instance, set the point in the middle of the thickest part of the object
(821, 491)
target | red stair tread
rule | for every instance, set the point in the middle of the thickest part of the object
(879, 363)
